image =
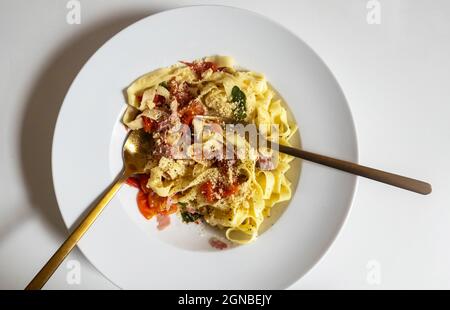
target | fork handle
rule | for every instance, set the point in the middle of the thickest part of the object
(50, 267)
(363, 171)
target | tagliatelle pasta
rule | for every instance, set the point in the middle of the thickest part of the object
(200, 168)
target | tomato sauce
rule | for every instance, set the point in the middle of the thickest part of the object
(214, 192)
(149, 203)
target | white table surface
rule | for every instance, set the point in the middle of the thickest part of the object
(395, 75)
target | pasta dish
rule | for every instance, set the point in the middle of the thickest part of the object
(206, 167)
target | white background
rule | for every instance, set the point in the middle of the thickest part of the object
(396, 77)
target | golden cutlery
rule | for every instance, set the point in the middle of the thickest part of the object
(136, 152)
(363, 171)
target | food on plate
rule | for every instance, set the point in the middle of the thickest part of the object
(203, 167)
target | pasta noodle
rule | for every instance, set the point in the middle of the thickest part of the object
(218, 175)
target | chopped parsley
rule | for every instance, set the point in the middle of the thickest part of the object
(239, 98)
(164, 84)
(188, 217)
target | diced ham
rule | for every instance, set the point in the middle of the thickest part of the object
(169, 121)
(158, 100)
(216, 128)
(265, 162)
(217, 244)
(201, 67)
(163, 221)
(191, 210)
(213, 153)
(163, 125)
(226, 164)
(180, 92)
(163, 149)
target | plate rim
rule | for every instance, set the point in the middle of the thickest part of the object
(355, 179)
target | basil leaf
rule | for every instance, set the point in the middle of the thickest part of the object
(183, 204)
(188, 217)
(164, 84)
(238, 97)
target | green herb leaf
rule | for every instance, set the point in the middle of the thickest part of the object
(238, 97)
(188, 217)
(182, 204)
(164, 84)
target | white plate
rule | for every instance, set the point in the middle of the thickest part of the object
(88, 138)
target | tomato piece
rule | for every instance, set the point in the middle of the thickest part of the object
(149, 124)
(142, 201)
(155, 201)
(207, 189)
(150, 203)
(230, 190)
(139, 181)
(133, 181)
(143, 180)
(188, 113)
(173, 208)
(159, 204)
